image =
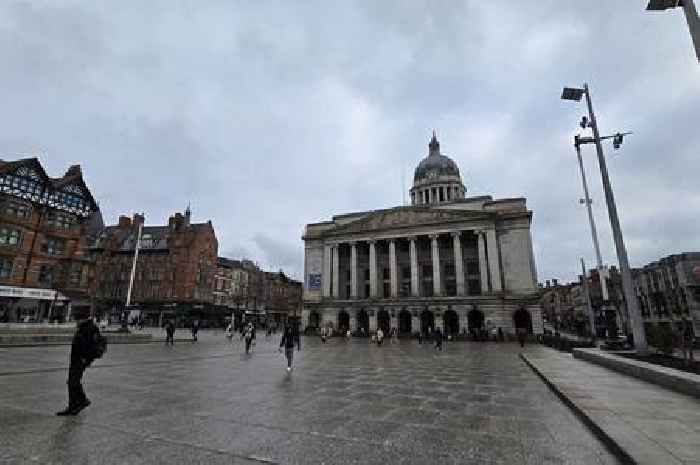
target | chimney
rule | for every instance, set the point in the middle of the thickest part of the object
(124, 222)
(138, 219)
(188, 215)
(74, 170)
(171, 223)
(547, 283)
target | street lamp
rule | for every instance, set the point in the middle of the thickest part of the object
(691, 16)
(640, 341)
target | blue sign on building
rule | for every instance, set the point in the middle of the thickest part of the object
(314, 281)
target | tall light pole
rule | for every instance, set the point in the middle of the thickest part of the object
(587, 292)
(640, 340)
(587, 200)
(691, 16)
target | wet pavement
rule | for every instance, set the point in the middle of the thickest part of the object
(345, 402)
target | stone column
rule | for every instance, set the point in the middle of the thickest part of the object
(393, 272)
(326, 273)
(494, 266)
(413, 252)
(459, 263)
(372, 268)
(373, 320)
(435, 253)
(483, 267)
(353, 270)
(336, 271)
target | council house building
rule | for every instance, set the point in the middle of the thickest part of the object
(464, 264)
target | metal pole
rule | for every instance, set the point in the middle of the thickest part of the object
(587, 292)
(133, 267)
(640, 340)
(691, 16)
(588, 201)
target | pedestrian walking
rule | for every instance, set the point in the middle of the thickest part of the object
(195, 330)
(229, 332)
(248, 335)
(290, 335)
(169, 333)
(380, 336)
(348, 334)
(522, 323)
(395, 336)
(88, 344)
(438, 339)
(323, 335)
(420, 337)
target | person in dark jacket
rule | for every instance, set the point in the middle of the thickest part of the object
(169, 333)
(80, 358)
(195, 330)
(438, 338)
(289, 336)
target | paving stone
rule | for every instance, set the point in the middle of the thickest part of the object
(344, 403)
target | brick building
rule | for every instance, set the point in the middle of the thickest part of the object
(45, 224)
(174, 275)
(283, 296)
(668, 290)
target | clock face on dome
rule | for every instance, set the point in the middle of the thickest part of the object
(432, 174)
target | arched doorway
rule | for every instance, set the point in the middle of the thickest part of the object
(383, 321)
(314, 319)
(343, 322)
(522, 319)
(363, 322)
(451, 320)
(475, 322)
(427, 322)
(404, 322)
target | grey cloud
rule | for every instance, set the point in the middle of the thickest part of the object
(269, 116)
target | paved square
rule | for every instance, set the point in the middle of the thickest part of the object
(345, 402)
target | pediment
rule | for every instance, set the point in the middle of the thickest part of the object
(407, 217)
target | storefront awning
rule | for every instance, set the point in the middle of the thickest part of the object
(31, 293)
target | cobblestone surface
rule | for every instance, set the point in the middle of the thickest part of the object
(345, 402)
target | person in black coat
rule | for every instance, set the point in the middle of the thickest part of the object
(290, 336)
(81, 356)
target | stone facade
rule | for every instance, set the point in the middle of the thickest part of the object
(446, 261)
(45, 226)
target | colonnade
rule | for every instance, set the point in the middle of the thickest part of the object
(488, 256)
(436, 194)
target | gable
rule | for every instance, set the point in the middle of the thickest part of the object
(407, 217)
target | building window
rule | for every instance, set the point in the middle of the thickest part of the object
(76, 274)
(46, 275)
(60, 220)
(53, 246)
(474, 287)
(473, 267)
(5, 267)
(9, 236)
(18, 210)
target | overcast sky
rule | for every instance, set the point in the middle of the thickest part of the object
(266, 116)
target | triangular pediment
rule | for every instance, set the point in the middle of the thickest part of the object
(407, 217)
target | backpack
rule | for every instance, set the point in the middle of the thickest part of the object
(98, 345)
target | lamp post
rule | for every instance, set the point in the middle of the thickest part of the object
(691, 16)
(587, 200)
(640, 341)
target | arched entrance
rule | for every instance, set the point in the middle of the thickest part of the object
(451, 320)
(383, 321)
(404, 322)
(314, 319)
(363, 321)
(427, 322)
(343, 321)
(475, 322)
(522, 319)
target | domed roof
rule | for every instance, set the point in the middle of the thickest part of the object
(435, 164)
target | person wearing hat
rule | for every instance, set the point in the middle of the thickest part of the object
(82, 353)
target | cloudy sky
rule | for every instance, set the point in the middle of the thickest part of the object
(266, 116)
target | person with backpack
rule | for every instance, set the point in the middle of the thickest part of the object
(88, 344)
(438, 338)
(289, 336)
